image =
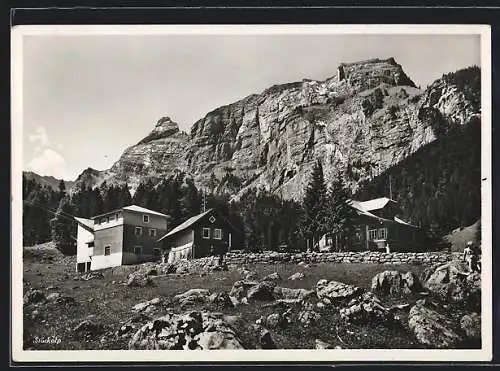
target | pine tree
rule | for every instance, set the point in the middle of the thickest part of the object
(63, 228)
(62, 188)
(340, 214)
(314, 219)
(191, 203)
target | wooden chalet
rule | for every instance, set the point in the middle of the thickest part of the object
(377, 226)
(205, 234)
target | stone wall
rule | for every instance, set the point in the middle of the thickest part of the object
(372, 257)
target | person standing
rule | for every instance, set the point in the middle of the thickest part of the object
(468, 256)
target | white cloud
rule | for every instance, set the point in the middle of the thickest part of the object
(40, 137)
(49, 162)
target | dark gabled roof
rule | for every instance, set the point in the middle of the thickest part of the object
(193, 220)
(188, 223)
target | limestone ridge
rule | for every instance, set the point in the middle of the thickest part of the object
(360, 122)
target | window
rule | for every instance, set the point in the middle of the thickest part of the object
(372, 234)
(107, 219)
(217, 234)
(152, 232)
(102, 220)
(137, 250)
(112, 217)
(107, 250)
(382, 233)
(138, 231)
(157, 251)
(145, 218)
(97, 221)
(206, 233)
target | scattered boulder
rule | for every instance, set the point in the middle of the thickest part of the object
(333, 292)
(52, 297)
(240, 288)
(222, 299)
(308, 315)
(287, 293)
(263, 291)
(273, 320)
(395, 283)
(471, 325)
(296, 276)
(147, 306)
(33, 296)
(139, 280)
(249, 275)
(192, 296)
(432, 328)
(35, 314)
(198, 330)
(272, 277)
(366, 309)
(322, 344)
(453, 283)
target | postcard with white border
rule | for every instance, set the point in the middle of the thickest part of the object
(251, 193)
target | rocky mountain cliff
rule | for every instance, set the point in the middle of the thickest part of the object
(365, 119)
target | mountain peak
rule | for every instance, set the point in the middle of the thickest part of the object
(369, 73)
(164, 128)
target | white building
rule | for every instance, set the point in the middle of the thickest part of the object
(84, 244)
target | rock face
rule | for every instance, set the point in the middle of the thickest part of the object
(360, 122)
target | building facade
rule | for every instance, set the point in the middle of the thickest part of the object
(84, 244)
(205, 234)
(125, 236)
(376, 226)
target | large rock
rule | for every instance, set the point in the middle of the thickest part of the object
(272, 277)
(471, 325)
(222, 299)
(192, 296)
(288, 293)
(334, 292)
(197, 330)
(366, 309)
(296, 276)
(453, 283)
(240, 289)
(33, 296)
(432, 328)
(395, 283)
(147, 306)
(262, 291)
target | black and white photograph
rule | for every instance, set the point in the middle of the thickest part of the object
(251, 192)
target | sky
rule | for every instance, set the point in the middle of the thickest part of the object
(86, 98)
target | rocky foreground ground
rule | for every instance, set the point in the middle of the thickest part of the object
(164, 306)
